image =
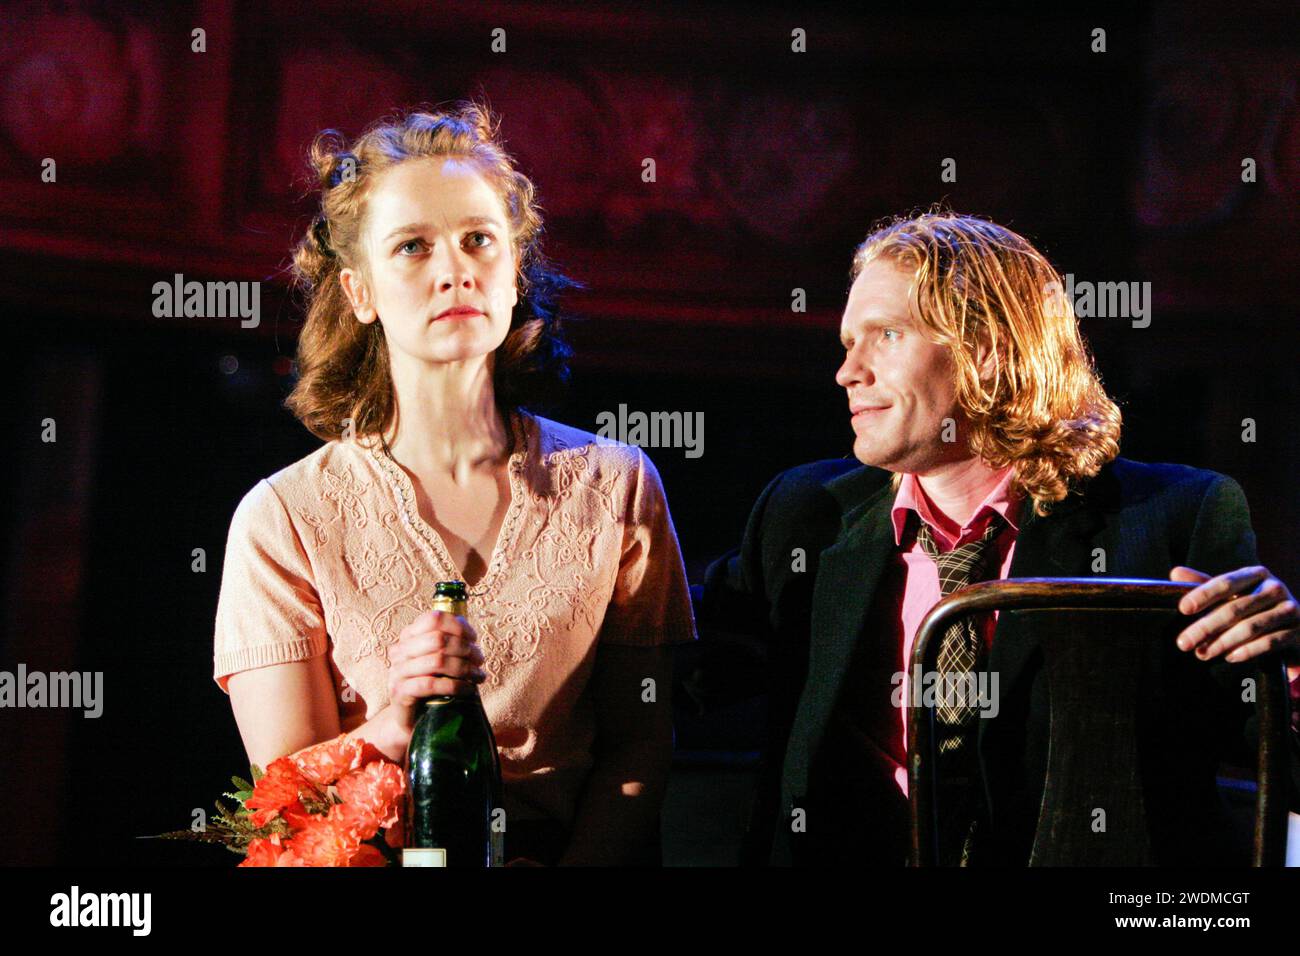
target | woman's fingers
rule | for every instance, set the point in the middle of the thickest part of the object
(432, 674)
(438, 663)
(422, 645)
(437, 654)
(407, 692)
(439, 621)
(440, 632)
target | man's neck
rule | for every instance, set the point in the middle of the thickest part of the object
(956, 490)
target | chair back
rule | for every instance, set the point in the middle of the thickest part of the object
(1095, 682)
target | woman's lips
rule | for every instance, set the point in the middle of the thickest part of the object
(460, 312)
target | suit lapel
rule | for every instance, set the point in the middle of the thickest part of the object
(1056, 546)
(848, 574)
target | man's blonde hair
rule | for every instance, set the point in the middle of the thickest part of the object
(1043, 410)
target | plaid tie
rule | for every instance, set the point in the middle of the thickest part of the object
(960, 645)
(959, 652)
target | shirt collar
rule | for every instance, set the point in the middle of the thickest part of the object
(912, 497)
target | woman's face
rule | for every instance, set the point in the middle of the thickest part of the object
(441, 263)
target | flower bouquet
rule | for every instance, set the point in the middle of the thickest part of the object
(338, 803)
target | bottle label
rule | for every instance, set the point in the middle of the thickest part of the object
(422, 856)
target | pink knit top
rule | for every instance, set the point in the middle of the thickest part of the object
(330, 556)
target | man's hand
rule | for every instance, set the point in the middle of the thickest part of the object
(1256, 614)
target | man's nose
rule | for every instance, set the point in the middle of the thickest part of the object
(852, 371)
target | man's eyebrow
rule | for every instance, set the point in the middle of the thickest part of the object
(413, 227)
(875, 323)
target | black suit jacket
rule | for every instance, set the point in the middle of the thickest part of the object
(804, 578)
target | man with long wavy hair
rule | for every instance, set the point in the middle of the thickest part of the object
(990, 451)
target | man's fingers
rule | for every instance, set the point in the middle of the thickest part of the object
(1261, 645)
(1277, 620)
(1218, 621)
(1220, 588)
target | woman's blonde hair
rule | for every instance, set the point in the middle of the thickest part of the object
(343, 368)
(1043, 410)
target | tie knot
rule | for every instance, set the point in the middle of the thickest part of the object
(966, 563)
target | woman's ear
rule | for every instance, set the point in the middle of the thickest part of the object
(354, 287)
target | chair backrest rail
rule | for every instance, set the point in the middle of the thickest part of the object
(1081, 595)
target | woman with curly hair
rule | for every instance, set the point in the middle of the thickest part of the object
(431, 330)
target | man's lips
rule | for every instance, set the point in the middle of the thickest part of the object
(866, 410)
(458, 312)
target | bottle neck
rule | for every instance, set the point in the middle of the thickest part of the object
(447, 698)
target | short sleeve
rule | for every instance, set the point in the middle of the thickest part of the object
(268, 611)
(651, 602)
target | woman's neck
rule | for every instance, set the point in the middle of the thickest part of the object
(447, 421)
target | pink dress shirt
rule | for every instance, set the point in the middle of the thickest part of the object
(914, 576)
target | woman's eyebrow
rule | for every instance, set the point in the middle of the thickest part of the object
(408, 228)
(411, 227)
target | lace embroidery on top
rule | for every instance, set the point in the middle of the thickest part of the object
(554, 583)
(434, 545)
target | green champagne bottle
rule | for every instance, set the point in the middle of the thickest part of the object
(453, 775)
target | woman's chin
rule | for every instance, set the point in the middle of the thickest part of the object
(458, 348)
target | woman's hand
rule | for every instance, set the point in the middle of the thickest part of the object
(435, 654)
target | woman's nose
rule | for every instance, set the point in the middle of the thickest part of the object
(453, 269)
(455, 273)
(462, 279)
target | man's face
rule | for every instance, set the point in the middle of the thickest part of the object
(900, 386)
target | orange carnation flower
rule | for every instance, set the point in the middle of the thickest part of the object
(369, 855)
(357, 822)
(278, 788)
(296, 815)
(395, 836)
(322, 842)
(324, 763)
(370, 786)
(271, 852)
(377, 790)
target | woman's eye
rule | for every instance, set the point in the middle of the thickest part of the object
(408, 242)
(887, 331)
(479, 239)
